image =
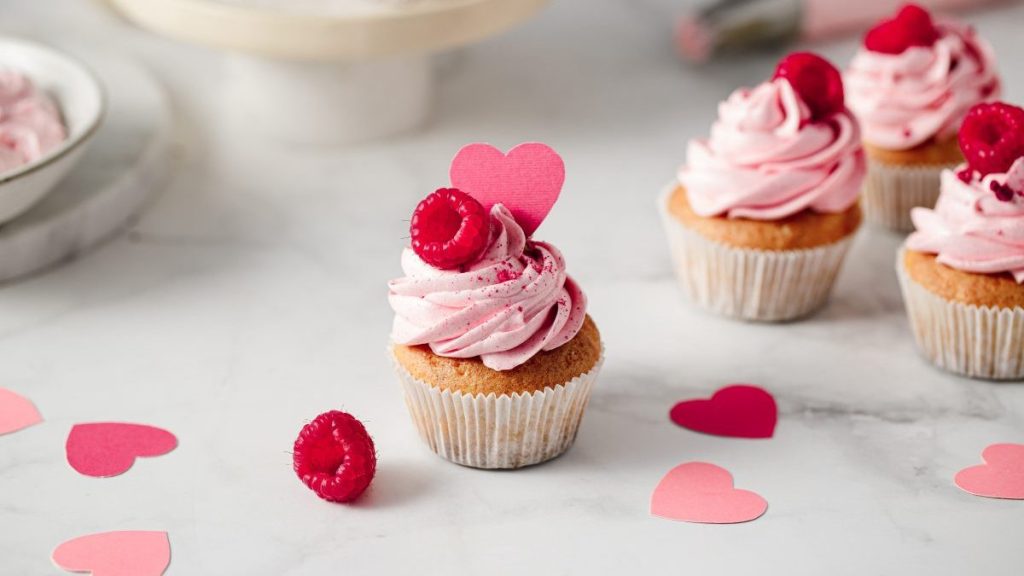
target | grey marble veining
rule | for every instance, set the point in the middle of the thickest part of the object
(251, 298)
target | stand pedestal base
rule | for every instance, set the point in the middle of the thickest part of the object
(326, 103)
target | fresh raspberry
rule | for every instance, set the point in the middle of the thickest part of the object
(992, 137)
(817, 82)
(449, 228)
(912, 26)
(334, 457)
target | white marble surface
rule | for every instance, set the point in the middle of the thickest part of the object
(251, 298)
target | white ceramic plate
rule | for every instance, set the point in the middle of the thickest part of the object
(80, 98)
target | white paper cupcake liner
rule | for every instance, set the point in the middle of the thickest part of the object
(760, 285)
(975, 341)
(891, 191)
(507, 431)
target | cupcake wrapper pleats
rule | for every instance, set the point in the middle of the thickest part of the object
(891, 191)
(507, 431)
(974, 341)
(761, 285)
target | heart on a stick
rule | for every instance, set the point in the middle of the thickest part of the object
(527, 180)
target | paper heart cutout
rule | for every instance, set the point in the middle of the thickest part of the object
(16, 412)
(738, 411)
(1001, 476)
(127, 553)
(103, 449)
(704, 493)
(527, 180)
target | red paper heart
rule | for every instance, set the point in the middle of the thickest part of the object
(704, 493)
(527, 180)
(116, 554)
(105, 449)
(16, 412)
(738, 411)
(1001, 476)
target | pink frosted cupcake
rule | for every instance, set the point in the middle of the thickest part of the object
(910, 86)
(764, 209)
(962, 271)
(491, 337)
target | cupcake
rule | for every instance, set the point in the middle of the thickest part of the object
(763, 211)
(962, 270)
(910, 86)
(491, 337)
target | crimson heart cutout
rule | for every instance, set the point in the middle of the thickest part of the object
(527, 180)
(1001, 476)
(105, 449)
(135, 553)
(737, 411)
(704, 493)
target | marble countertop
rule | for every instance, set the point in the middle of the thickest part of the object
(251, 297)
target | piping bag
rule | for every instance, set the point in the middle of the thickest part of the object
(735, 26)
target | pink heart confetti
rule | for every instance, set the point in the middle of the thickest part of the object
(1001, 476)
(704, 493)
(738, 411)
(527, 180)
(16, 412)
(104, 449)
(127, 553)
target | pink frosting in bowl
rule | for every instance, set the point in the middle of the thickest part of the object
(766, 159)
(970, 229)
(30, 122)
(515, 301)
(907, 99)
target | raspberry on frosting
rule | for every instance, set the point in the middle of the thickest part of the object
(449, 229)
(992, 137)
(817, 82)
(911, 26)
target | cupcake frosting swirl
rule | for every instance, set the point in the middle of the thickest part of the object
(970, 229)
(766, 159)
(513, 302)
(904, 100)
(30, 123)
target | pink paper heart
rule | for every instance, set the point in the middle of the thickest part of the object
(16, 412)
(527, 180)
(738, 411)
(105, 449)
(1001, 476)
(139, 553)
(704, 493)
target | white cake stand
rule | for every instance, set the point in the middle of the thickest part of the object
(125, 165)
(360, 70)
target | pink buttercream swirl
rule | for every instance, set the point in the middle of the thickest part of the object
(513, 302)
(904, 100)
(766, 159)
(30, 123)
(971, 229)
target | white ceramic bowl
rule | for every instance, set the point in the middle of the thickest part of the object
(80, 98)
